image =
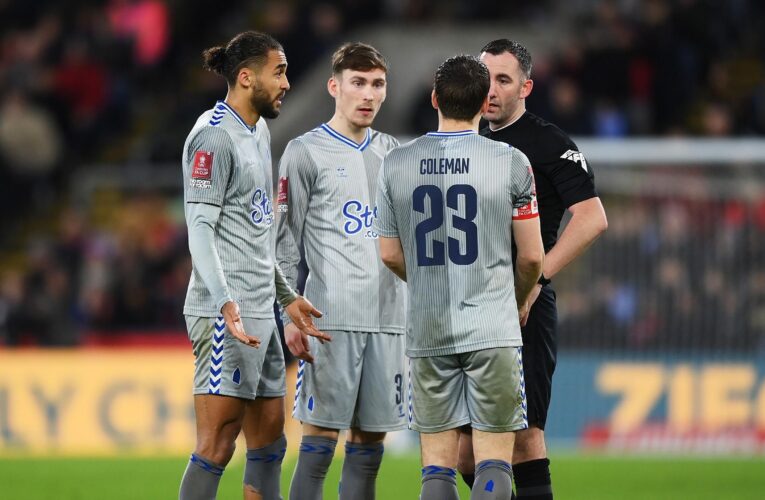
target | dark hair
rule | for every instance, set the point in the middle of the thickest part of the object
(357, 56)
(502, 45)
(461, 85)
(249, 48)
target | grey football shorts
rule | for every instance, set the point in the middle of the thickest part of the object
(228, 367)
(356, 381)
(482, 388)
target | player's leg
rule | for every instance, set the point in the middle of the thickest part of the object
(531, 466)
(218, 422)
(438, 409)
(496, 401)
(439, 462)
(465, 459)
(363, 456)
(263, 423)
(317, 447)
(379, 409)
(218, 407)
(324, 402)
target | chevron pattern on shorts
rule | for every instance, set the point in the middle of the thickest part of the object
(298, 384)
(216, 356)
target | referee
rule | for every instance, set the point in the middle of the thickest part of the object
(564, 180)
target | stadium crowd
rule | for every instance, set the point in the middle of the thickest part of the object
(108, 82)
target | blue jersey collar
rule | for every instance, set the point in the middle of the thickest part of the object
(340, 137)
(221, 108)
(459, 133)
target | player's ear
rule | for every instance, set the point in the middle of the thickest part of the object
(245, 77)
(433, 99)
(484, 106)
(332, 86)
(526, 88)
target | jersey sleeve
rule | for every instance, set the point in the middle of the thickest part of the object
(297, 174)
(523, 192)
(385, 220)
(570, 174)
(208, 167)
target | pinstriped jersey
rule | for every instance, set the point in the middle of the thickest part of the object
(326, 206)
(451, 198)
(228, 164)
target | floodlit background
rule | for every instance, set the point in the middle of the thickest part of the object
(662, 322)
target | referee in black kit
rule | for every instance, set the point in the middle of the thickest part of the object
(564, 180)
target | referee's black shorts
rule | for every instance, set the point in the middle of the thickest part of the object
(540, 350)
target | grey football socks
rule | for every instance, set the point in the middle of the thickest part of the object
(200, 481)
(314, 460)
(362, 461)
(439, 483)
(263, 469)
(493, 480)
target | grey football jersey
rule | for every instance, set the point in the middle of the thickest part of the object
(326, 206)
(228, 164)
(450, 198)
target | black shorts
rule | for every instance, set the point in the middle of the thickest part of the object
(540, 350)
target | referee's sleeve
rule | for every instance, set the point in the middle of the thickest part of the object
(570, 173)
(208, 167)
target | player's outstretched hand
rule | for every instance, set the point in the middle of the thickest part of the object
(523, 312)
(234, 324)
(297, 343)
(302, 312)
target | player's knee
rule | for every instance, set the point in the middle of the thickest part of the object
(217, 451)
(364, 437)
(465, 463)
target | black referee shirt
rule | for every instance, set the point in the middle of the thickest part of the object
(562, 175)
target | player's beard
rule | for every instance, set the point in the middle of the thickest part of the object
(263, 104)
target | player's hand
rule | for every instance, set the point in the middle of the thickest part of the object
(523, 312)
(297, 342)
(230, 311)
(302, 312)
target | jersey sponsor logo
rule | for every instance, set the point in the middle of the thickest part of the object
(282, 200)
(201, 170)
(261, 214)
(359, 218)
(575, 156)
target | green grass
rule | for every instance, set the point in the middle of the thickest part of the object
(576, 477)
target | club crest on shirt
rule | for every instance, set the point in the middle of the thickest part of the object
(201, 170)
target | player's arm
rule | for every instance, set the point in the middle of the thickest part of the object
(386, 226)
(530, 252)
(392, 255)
(206, 177)
(297, 173)
(529, 259)
(573, 180)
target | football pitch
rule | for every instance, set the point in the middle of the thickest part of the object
(576, 477)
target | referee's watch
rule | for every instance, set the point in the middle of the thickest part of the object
(542, 280)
